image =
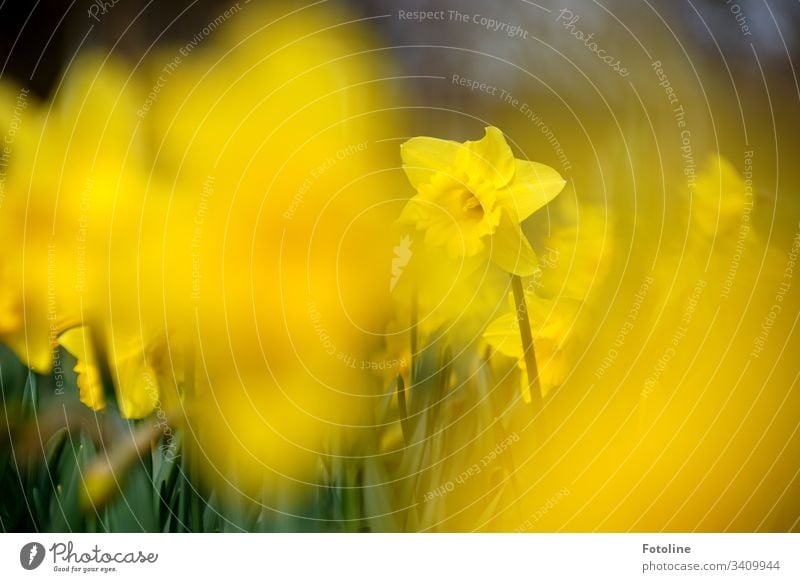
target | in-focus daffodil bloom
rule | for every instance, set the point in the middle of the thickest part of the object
(472, 197)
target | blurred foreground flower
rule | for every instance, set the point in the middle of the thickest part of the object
(134, 364)
(271, 133)
(219, 278)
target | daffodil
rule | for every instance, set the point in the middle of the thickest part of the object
(137, 384)
(472, 196)
(554, 332)
(721, 201)
(577, 254)
(273, 290)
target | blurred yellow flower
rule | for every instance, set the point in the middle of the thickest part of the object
(272, 139)
(577, 255)
(137, 387)
(468, 193)
(77, 343)
(76, 182)
(554, 328)
(721, 201)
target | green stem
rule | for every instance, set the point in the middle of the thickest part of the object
(527, 343)
(412, 376)
(401, 404)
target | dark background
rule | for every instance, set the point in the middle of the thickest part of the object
(37, 38)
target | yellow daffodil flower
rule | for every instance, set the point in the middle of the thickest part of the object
(719, 199)
(77, 342)
(577, 256)
(137, 385)
(553, 325)
(474, 195)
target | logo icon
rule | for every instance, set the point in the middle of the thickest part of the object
(31, 555)
(402, 255)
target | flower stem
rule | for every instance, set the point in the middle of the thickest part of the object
(401, 404)
(527, 343)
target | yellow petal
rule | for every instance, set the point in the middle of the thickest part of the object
(534, 185)
(488, 159)
(77, 343)
(545, 386)
(718, 197)
(524, 385)
(425, 156)
(33, 350)
(138, 389)
(503, 335)
(510, 250)
(90, 387)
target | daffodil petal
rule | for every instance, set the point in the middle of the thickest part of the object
(33, 350)
(718, 197)
(503, 335)
(510, 250)
(524, 385)
(424, 156)
(534, 186)
(413, 213)
(489, 157)
(138, 391)
(90, 387)
(76, 342)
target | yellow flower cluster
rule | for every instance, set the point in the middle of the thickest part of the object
(201, 246)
